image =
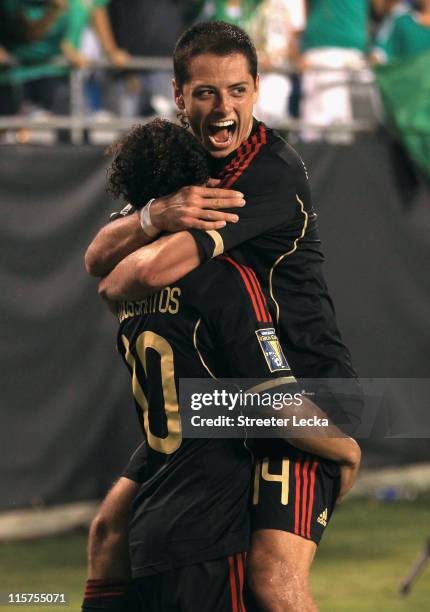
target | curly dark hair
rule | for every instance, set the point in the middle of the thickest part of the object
(154, 160)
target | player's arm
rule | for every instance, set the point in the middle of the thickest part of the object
(191, 207)
(249, 348)
(278, 198)
(150, 268)
(170, 258)
(114, 242)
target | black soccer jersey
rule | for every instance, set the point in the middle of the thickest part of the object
(193, 505)
(277, 235)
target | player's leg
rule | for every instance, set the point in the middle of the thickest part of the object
(108, 555)
(278, 571)
(293, 499)
(109, 580)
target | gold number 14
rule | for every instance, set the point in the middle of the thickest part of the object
(262, 468)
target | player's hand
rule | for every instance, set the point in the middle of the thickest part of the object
(348, 475)
(196, 207)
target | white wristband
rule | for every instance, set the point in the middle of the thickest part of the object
(145, 220)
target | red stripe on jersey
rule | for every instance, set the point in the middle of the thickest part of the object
(246, 149)
(247, 285)
(305, 494)
(297, 502)
(263, 135)
(252, 153)
(264, 308)
(256, 286)
(244, 158)
(233, 588)
(311, 497)
(236, 161)
(241, 571)
(234, 164)
(244, 161)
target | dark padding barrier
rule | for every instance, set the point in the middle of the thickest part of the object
(67, 420)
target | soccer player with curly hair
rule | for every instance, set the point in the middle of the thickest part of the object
(276, 236)
(186, 330)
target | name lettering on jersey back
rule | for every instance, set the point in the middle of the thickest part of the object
(165, 301)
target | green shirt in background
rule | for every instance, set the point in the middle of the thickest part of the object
(34, 57)
(337, 23)
(80, 12)
(406, 38)
(222, 10)
(405, 89)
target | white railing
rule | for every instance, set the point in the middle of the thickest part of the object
(78, 120)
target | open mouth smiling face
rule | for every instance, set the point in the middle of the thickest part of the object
(220, 133)
(219, 97)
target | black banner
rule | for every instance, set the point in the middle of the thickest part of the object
(67, 420)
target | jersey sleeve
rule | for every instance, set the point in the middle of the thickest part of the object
(246, 342)
(271, 202)
(136, 466)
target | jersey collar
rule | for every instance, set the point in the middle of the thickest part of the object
(217, 165)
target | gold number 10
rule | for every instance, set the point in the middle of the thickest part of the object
(145, 341)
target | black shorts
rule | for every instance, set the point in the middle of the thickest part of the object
(293, 491)
(210, 586)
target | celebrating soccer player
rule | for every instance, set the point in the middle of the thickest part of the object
(216, 86)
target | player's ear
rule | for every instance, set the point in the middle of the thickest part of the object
(256, 88)
(178, 96)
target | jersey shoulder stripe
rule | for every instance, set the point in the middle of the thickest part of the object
(253, 289)
(244, 156)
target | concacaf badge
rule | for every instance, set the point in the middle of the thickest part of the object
(272, 350)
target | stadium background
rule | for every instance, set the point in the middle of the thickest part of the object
(67, 418)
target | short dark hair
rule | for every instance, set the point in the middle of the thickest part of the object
(215, 37)
(156, 159)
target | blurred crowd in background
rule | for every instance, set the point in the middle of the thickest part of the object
(313, 53)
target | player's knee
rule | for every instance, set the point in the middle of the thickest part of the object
(114, 514)
(105, 538)
(108, 524)
(99, 529)
(109, 527)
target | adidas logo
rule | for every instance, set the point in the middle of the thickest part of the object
(322, 519)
